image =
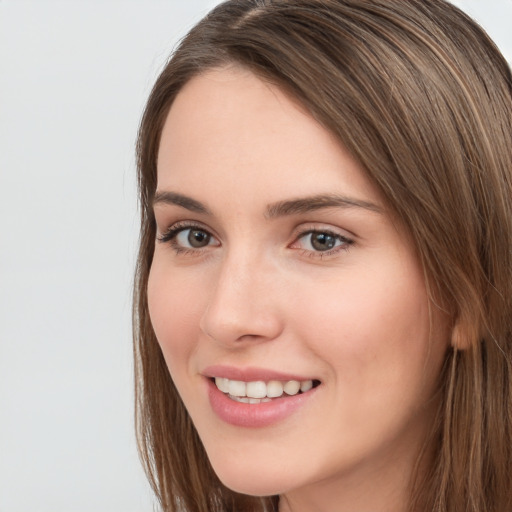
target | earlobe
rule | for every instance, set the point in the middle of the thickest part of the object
(459, 338)
(464, 334)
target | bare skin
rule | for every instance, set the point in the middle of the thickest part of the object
(253, 272)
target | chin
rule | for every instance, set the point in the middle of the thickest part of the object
(251, 481)
(251, 487)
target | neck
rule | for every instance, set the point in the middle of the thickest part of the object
(365, 488)
(376, 492)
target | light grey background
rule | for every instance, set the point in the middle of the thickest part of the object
(74, 76)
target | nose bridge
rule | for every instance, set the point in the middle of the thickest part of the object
(241, 305)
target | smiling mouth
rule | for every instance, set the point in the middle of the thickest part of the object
(256, 392)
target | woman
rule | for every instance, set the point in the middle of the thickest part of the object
(323, 295)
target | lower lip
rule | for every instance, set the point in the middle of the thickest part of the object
(255, 415)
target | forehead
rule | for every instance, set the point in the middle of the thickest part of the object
(229, 130)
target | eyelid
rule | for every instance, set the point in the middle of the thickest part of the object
(338, 236)
(321, 227)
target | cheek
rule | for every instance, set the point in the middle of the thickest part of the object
(373, 328)
(383, 362)
(175, 310)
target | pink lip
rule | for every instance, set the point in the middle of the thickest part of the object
(250, 374)
(253, 415)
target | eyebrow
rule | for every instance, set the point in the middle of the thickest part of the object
(180, 200)
(279, 209)
(318, 202)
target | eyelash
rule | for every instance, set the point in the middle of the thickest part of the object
(170, 237)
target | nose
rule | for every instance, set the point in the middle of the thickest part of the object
(243, 305)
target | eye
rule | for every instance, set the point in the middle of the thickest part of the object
(186, 237)
(193, 238)
(317, 241)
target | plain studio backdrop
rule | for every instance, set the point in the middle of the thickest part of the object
(74, 76)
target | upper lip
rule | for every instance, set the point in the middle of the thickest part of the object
(251, 374)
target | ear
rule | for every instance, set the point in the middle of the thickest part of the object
(464, 334)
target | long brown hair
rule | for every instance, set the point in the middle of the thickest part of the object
(422, 98)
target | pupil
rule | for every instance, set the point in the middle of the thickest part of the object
(322, 241)
(198, 238)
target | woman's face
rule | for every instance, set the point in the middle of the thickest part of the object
(278, 266)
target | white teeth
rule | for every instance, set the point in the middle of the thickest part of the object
(246, 400)
(306, 385)
(260, 391)
(258, 400)
(292, 387)
(236, 388)
(222, 384)
(257, 389)
(274, 389)
(242, 399)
